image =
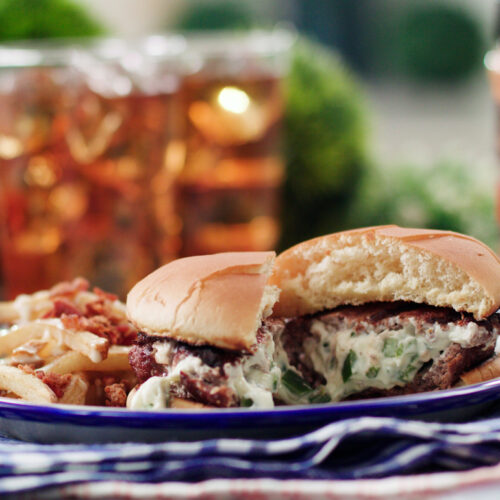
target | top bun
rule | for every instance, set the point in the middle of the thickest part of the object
(388, 263)
(218, 300)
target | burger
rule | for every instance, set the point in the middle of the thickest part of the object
(364, 313)
(206, 336)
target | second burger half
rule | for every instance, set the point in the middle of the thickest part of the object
(362, 313)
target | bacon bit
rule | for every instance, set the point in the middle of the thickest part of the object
(116, 395)
(56, 382)
(97, 316)
(105, 295)
(62, 306)
(97, 307)
(70, 287)
(117, 333)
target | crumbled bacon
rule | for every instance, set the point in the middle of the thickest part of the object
(116, 395)
(62, 306)
(56, 382)
(97, 316)
(118, 333)
(105, 295)
(113, 390)
(69, 287)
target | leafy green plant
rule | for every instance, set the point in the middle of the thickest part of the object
(220, 15)
(325, 142)
(27, 19)
(439, 41)
(448, 195)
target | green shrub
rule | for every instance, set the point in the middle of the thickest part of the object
(27, 19)
(325, 143)
(219, 15)
(439, 42)
(447, 195)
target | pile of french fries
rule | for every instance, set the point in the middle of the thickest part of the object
(44, 361)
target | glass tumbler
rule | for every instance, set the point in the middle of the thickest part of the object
(230, 166)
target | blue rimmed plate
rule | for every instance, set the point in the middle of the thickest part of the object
(90, 424)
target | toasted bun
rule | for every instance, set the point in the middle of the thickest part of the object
(218, 300)
(187, 404)
(488, 370)
(388, 263)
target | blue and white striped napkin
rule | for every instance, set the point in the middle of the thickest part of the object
(367, 447)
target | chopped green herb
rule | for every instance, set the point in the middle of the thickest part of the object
(295, 383)
(413, 358)
(320, 397)
(348, 364)
(392, 348)
(275, 384)
(353, 334)
(246, 402)
(372, 372)
(406, 375)
(326, 345)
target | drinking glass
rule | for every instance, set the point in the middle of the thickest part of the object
(230, 165)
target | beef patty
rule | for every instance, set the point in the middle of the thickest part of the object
(350, 352)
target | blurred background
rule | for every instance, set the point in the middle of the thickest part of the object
(133, 132)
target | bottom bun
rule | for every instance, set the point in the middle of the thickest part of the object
(488, 370)
(187, 404)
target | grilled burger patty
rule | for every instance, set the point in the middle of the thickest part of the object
(350, 352)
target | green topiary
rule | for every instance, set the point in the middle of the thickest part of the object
(325, 139)
(440, 42)
(447, 195)
(27, 19)
(225, 15)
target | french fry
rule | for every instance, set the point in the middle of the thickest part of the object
(19, 335)
(92, 346)
(487, 371)
(76, 391)
(74, 361)
(8, 312)
(25, 385)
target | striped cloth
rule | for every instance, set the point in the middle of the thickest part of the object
(358, 448)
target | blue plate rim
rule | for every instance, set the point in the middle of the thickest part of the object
(125, 414)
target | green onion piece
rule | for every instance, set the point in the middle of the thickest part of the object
(372, 372)
(275, 384)
(391, 348)
(320, 397)
(246, 402)
(353, 334)
(407, 374)
(295, 383)
(348, 363)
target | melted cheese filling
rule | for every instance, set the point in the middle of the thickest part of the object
(352, 362)
(349, 361)
(252, 380)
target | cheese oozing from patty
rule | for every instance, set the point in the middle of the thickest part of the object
(345, 361)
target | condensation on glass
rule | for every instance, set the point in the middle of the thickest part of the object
(83, 134)
(117, 156)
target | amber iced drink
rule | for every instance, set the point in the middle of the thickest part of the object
(229, 184)
(77, 179)
(41, 192)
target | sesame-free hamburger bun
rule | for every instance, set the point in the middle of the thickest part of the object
(218, 300)
(386, 264)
